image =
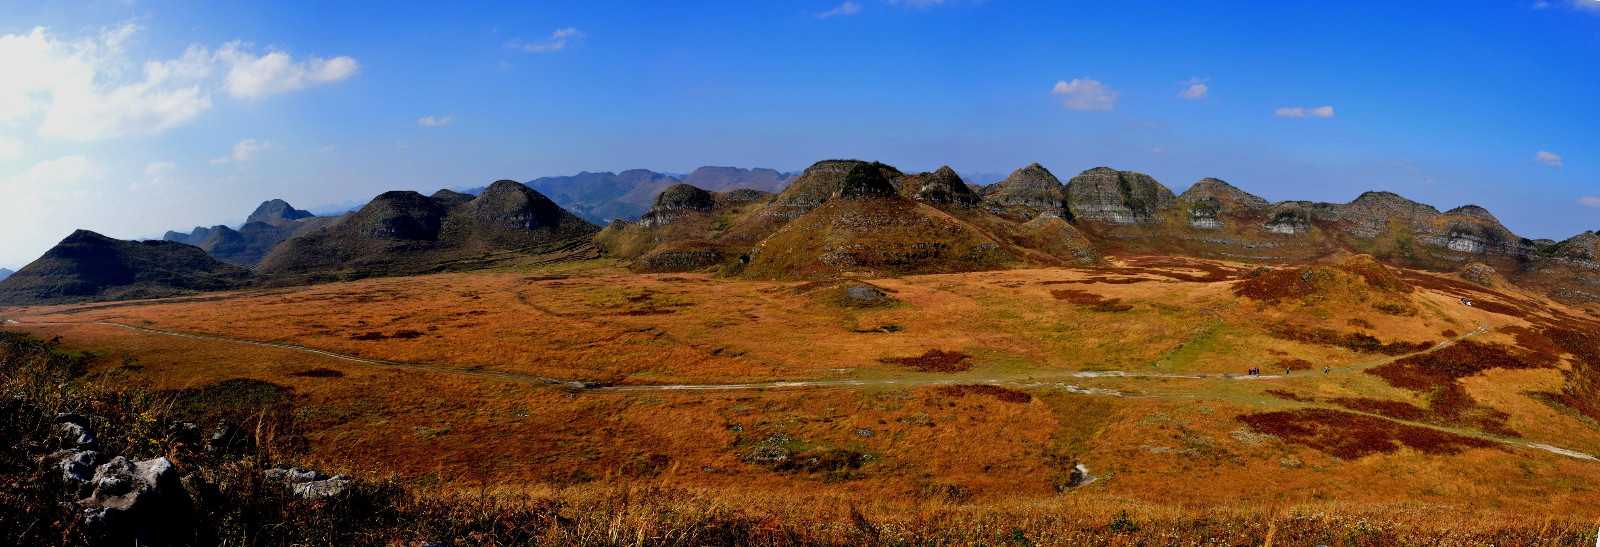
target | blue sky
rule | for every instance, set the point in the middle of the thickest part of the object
(134, 117)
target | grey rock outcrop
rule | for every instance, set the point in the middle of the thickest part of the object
(129, 500)
(308, 484)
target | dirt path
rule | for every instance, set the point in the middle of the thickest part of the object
(1028, 381)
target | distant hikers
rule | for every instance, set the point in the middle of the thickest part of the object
(1326, 369)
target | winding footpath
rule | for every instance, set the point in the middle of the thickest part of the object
(1027, 381)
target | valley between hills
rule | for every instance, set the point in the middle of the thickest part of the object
(872, 356)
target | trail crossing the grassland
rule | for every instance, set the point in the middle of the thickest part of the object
(1037, 381)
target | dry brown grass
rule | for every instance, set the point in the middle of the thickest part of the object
(1159, 454)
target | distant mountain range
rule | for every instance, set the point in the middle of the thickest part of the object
(4, 273)
(271, 223)
(837, 219)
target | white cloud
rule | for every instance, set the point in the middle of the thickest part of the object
(10, 148)
(846, 8)
(919, 3)
(1547, 158)
(159, 168)
(1591, 6)
(252, 77)
(430, 121)
(1589, 201)
(1085, 94)
(1318, 112)
(91, 88)
(1194, 88)
(557, 41)
(157, 172)
(1428, 182)
(80, 88)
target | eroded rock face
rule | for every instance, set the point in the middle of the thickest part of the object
(1117, 197)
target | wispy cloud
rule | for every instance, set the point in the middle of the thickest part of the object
(1085, 94)
(1130, 122)
(1318, 112)
(1194, 88)
(325, 149)
(557, 41)
(846, 8)
(431, 121)
(159, 167)
(1547, 158)
(919, 3)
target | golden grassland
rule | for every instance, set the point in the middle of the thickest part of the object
(893, 440)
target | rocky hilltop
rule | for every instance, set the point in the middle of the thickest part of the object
(850, 218)
(277, 212)
(87, 266)
(404, 232)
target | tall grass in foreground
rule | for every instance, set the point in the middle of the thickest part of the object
(233, 505)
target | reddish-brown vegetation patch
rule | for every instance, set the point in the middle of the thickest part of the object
(1004, 394)
(1392, 409)
(1095, 302)
(1290, 396)
(1435, 374)
(1582, 391)
(1355, 341)
(318, 373)
(1099, 279)
(1310, 281)
(935, 361)
(1351, 436)
(1449, 333)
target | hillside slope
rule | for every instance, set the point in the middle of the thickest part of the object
(87, 266)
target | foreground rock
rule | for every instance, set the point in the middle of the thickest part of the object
(308, 484)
